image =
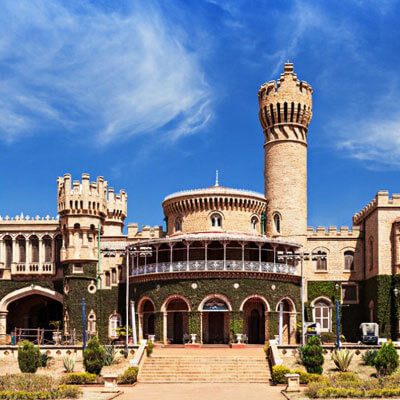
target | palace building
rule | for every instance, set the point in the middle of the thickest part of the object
(227, 262)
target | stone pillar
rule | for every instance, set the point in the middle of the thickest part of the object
(266, 330)
(41, 251)
(14, 250)
(28, 258)
(224, 244)
(140, 326)
(3, 325)
(292, 326)
(165, 327)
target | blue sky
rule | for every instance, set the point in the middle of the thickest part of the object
(155, 96)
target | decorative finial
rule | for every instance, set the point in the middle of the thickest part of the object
(216, 178)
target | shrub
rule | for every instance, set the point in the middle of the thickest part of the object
(266, 350)
(342, 359)
(279, 372)
(312, 357)
(328, 337)
(110, 354)
(68, 392)
(28, 357)
(369, 357)
(129, 376)
(93, 356)
(69, 363)
(149, 348)
(26, 382)
(81, 378)
(306, 378)
(387, 359)
(44, 358)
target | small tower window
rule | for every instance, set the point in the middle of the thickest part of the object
(254, 223)
(178, 224)
(277, 223)
(216, 221)
(349, 260)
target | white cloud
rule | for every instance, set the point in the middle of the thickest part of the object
(374, 140)
(96, 72)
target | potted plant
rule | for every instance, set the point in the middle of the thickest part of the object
(121, 332)
(57, 332)
(239, 337)
(193, 337)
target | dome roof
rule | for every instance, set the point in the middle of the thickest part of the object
(217, 190)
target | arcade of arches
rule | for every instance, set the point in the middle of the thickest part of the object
(215, 316)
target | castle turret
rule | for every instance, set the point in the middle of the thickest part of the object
(84, 207)
(285, 110)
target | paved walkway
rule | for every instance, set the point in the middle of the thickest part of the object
(200, 391)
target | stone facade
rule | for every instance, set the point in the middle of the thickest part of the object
(224, 250)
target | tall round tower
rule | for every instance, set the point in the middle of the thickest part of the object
(285, 110)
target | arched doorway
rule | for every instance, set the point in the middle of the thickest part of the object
(255, 319)
(30, 308)
(215, 320)
(287, 320)
(176, 317)
(148, 319)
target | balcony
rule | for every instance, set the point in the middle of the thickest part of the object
(215, 265)
(32, 268)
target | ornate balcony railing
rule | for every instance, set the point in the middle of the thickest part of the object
(214, 265)
(32, 268)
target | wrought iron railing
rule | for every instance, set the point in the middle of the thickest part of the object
(214, 265)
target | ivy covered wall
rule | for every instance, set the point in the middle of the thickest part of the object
(272, 291)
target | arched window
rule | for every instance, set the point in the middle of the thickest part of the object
(114, 323)
(34, 243)
(216, 221)
(108, 281)
(254, 223)
(9, 250)
(178, 224)
(322, 315)
(321, 261)
(277, 223)
(114, 276)
(371, 253)
(22, 249)
(92, 322)
(349, 260)
(47, 249)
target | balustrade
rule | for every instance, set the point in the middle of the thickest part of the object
(215, 265)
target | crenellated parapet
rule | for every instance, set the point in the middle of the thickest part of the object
(26, 219)
(333, 231)
(147, 232)
(285, 107)
(381, 199)
(85, 208)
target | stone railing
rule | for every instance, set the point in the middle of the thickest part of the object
(32, 268)
(215, 265)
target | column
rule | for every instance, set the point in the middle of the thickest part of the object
(3, 326)
(14, 250)
(205, 255)
(157, 247)
(2, 252)
(187, 255)
(41, 252)
(165, 330)
(171, 246)
(242, 256)
(292, 333)
(274, 247)
(53, 250)
(280, 322)
(225, 244)
(28, 258)
(140, 327)
(259, 255)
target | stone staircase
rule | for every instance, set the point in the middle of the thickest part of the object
(186, 369)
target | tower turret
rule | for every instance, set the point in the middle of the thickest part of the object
(84, 207)
(285, 110)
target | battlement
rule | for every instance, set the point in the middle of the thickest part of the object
(93, 198)
(333, 231)
(147, 232)
(27, 220)
(381, 199)
(287, 101)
